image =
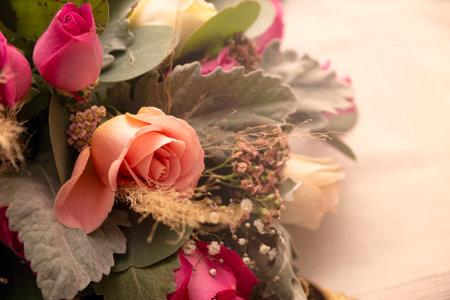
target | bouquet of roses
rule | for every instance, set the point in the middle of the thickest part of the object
(144, 150)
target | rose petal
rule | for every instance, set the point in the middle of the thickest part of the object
(111, 142)
(182, 277)
(84, 201)
(21, 72)
(148, 143)
(202, 285)
(192, 159)
(244, 277)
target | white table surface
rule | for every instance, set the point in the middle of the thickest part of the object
(391, 236)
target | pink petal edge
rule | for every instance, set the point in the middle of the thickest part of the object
(84, 201)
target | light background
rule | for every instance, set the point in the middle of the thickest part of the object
(391, 236)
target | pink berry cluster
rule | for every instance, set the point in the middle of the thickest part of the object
(258, 164)
(83, 125)
(244, 51)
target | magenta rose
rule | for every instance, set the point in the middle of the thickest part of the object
(275, 31)
(15, 74)
(223, 60)
(9, 238)
(340, 112)
(69, 54)
(220, 276)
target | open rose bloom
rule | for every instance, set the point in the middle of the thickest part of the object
(148, 149)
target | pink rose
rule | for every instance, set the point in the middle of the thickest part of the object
(15, 74)
(69, 54)
(149, 148)
(275, 31)
(212, 279)
(8, 237)
(340, 112)
(223, 60)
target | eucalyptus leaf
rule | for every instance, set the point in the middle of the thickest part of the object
(317, 89)
(211, 37)
(117, 35)
(30, 19)
(339, 144)
(154, 282)
(141, 253)
(65, 259)
(149, 48)
(39, 102)
(342, 123)
(65, 156)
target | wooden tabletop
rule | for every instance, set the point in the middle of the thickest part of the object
(391, 236)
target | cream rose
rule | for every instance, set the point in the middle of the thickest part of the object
(191, 14)
(318, 193)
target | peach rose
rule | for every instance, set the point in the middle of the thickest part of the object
(318, 193)
(149, 148)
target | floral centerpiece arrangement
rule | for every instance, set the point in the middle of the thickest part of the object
(144, 150)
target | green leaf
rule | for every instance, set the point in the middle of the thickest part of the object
(154, 282)
(65, 156)
(140, 253)
(31, 18)
(210, 38)
(222, 4)
(21, 281)
(117, 35)
(149, 48)
(342, 123)
(265, 17)
(38, 103)
(65, 259)
(337, 143)
(317, 90)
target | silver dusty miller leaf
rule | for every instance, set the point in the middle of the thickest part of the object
(317, 90)
(65, 259)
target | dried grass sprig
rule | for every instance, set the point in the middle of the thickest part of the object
(175, 209)
(13, 141)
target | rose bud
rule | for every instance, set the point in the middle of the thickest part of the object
(69, 54)
(15, 74)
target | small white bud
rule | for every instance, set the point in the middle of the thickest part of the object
(213, 248)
